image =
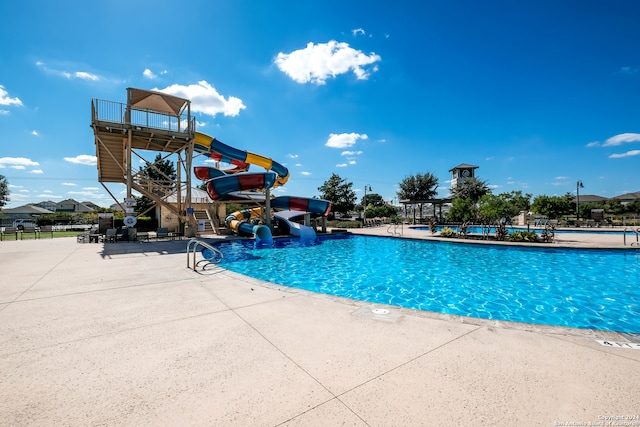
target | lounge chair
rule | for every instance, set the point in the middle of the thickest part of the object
(110, 235)
(47, 229)
(30, 230)
(9, 231)
(83, 237)
(122, 234)
(162, 233)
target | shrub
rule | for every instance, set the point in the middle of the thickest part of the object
(524, 236)
(447, 232)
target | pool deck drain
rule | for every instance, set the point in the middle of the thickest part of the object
(382, 314)
(124, 334)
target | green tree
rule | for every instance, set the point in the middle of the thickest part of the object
(463, 209)
(612, 206)
(371, 199)
(505, 205)
(633, 207)
(471, 188)
(492, 207)
(4, 191)
(383, 211)
(553, 207)
(158, 178)
(518, 202)
(418, 189)
(339, 192)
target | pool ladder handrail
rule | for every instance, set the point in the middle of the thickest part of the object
(192, 248)
(636, 232)
(395, 232)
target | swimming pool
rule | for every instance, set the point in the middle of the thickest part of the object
(593, 289)
(510, 229)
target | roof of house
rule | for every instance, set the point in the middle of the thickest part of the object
(628, 196)
(587, 198)
(78, 207)
(464, 166)
(27, 210)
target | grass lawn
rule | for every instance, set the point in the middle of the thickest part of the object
(42, 235)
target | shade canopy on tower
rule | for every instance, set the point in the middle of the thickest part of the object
(156, 101)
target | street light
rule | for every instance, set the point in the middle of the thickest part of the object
(578, 187)
(364, 200)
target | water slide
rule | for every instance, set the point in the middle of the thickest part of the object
(238, 184)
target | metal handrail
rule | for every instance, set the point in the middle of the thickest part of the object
(119, 113)
(636, 232)
(192, 248)
(395, 228)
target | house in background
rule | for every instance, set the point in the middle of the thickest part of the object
(25, 212)
(49, 205)
(628, 197)
(72, 206)
(33, 211)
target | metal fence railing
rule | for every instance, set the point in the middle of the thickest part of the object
(117, 113)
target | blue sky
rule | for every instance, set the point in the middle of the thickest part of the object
(538, 94)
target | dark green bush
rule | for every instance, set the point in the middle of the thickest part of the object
(524, 236)
(447, 232)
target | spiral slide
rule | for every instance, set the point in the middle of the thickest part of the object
(238, 184)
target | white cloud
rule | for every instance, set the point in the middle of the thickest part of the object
(627, 154)
(18, 167)
(292, 156)
(69, 184)
(622, 138)
(341, 165)
(16, 161)
(82, 75)
(34, 133)
(352, 162)
(6, 100)
(36, 171)
(86, 194)
(83, 159)
(305, 173)
(358, 31)
(298, 165)
(318, 62)
(351, 153)
(147, 73)
(205, 99)
(4, 112)
(86, 76)
(593, 144)
(344, 140)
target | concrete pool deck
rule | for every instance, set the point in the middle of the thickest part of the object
(125, 334)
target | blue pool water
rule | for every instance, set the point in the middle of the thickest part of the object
(510, 229)
(593, 289)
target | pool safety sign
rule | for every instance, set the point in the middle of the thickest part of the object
(130, 220)
(629, 345)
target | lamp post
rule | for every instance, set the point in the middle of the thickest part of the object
(364, 207)
(578, 187)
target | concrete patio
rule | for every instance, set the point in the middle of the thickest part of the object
(125, 334)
